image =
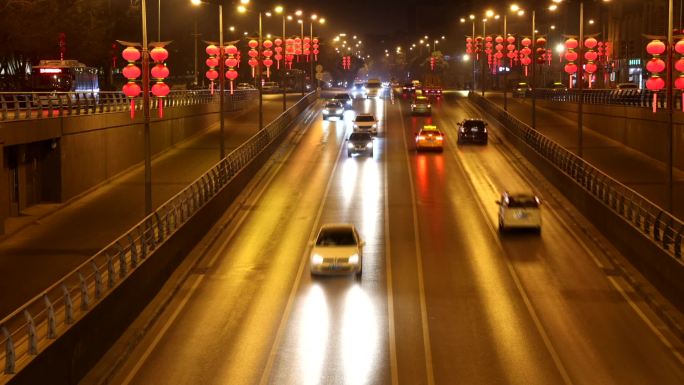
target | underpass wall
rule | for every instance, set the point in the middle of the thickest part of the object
(96, 148)
(635, 127)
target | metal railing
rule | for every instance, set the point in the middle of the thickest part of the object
(626, 97)
(31, 328)
(41, 105)
(663, 229)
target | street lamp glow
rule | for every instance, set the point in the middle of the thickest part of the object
(245, 2)
(289, 17)
(299, 21)
(268, 14)
(553, 27)
(231, 28)
(426, 36)
(321, 20)
(515, 7)
(560, 48)
(422, 41)
(553, 7)
(462, 20)
(443, 37)
(496, 17)
(241, 8)
(298, 12)
(314, 16)
(471, 17)
(279, 9)
(489, 13)
(466, 57)
(521, 12)
(196, 2)
(591, 21)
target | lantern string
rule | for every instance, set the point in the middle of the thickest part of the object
(211, 87)
(132, 108)
(161, 108)
(231, 87)
(655, 101)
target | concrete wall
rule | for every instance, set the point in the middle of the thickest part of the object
(635, 127)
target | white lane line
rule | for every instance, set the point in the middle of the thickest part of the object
(388, 266)
(419, 260)
(514, 275)
(594, 257)
(265, 377)
(199, 279)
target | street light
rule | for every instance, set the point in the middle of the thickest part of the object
(281, 11)
(146, 111)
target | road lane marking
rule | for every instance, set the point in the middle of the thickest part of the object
(388, 267)
(514, 275)
(522, 162)
(265, 377)
(162, 333)
(419, 260)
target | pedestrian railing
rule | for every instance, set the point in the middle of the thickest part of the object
(31, 328)
(626, 97)
(41, 105)
(665, 230)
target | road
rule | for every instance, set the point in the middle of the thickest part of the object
(444, 298)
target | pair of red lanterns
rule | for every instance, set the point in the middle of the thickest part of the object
(159, 72)
(656, 65)
(346, 62)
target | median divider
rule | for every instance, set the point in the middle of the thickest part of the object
(60, 334)
(646, 234)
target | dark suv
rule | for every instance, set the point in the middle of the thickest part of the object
(344, 99)
(360, 142)
(472, 131)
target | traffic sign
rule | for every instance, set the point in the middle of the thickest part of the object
(319, 68)
(319, 76)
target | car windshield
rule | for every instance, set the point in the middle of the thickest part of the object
(373, 85)
(364, 118)
(523, 202)
(332, 105)
(336, 237)
(360, 136)
(473, 123)
(342, 96)
(430, 132)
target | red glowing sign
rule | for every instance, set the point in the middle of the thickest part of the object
(50, 70)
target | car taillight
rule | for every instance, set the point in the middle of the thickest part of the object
(420, 137)
(440, 138)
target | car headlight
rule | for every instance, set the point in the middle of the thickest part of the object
(413, 106)
(316, 259)
(429, 106)
(369, 145)
(326, 111)
(374, 126)
(349, 102)
(350, 145)
(354, 259)
(356, 126)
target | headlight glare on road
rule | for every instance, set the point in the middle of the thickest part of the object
(354, 259)
(316, 259)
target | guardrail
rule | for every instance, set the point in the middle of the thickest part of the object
(663, 229)
(626, 97)
(34, 326)
(40, 105)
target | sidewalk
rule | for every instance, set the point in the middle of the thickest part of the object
(50, 240)
(630, 167)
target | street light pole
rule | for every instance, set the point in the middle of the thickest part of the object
(534, 65)
(580, 80)
(484, 39)
(670, 110)
(310, 56)
(505, 88)
(282, 71)
(222, 84)
(146, 112)
(303, 63)
(261, 95)
(474, 56)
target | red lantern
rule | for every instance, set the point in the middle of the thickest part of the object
(655, 66)
(679, 67)
(315, 48)
(570, 55)
(525, 52)
(253, 54)
(231, 62)
(212, 62)
(131, 89)
(278, 52)
(160, 72)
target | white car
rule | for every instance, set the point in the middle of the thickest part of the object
(337, 249)
(519, 210)
(365, 123)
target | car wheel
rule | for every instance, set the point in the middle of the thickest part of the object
(349, 154)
